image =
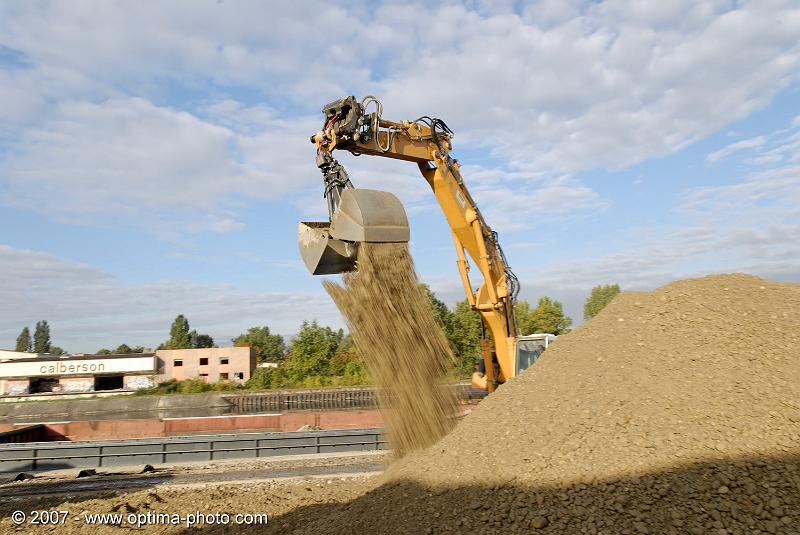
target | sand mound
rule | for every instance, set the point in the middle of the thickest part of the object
(674, 411)
(406, 352)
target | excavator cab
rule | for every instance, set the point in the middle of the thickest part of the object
(529, 348)
(360, 215)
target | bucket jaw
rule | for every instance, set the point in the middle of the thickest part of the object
(322, 254)
(363, 215)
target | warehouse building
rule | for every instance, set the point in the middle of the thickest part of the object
(36, 373)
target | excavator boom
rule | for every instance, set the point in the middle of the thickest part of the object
(358, 215)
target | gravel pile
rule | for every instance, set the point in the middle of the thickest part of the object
(674, 411)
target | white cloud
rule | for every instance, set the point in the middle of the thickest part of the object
(519, 208)
(563, 87)
(734, 147)
(608, 88)
(153, 166)
(88, 309)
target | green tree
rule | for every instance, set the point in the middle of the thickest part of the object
(205, 340)
(466, 328)
(598, 299)
(198, 341)
(103, 351)
(547, 317)
(41, 337)
(263, 378)
(24, 342)
(440, 310)
(179, 334)
(522, 315)
(55, 350)
(444, 317)
(268, 347)
(123, 349)
(347, 363)
(181, 338)
(311, 351)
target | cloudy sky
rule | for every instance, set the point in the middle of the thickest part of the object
(154, 156)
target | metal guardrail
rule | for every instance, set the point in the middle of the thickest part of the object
(324, 398)
(97, 454)
(320, 399)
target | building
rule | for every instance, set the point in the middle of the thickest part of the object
(211, 364)
(33, 373)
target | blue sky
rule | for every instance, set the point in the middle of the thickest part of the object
(154, 156)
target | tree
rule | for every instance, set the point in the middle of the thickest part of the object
(547, 317)
(41, 337)
(440, 310)
(179, 334)
(123, 349)
(202, 340)
(444, 317)
(103, 351)
(24, 342)
(598, 299)
(312, 350)
(55, 350)
(466, 326)
(522, 315)
(268, 347)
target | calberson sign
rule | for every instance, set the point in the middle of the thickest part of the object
(53, 367)
(61, 368)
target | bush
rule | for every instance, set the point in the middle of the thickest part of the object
(194, 386)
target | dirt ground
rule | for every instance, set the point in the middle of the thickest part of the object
(673, 411)
(269, 486)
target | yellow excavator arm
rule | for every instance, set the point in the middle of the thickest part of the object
(427, 142)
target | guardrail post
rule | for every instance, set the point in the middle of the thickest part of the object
(163, 453)
(210, 450)
(33, 462)
(100, 458)
(316, 443)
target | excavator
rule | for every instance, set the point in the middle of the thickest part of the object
(359, 215)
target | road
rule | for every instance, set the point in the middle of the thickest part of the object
(63, 484)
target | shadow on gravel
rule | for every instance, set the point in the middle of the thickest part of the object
(744, 496)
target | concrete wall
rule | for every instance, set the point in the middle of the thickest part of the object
(116, 407)
(14, 387)
(240, 360)
(155, 427)
(76, 384)
(137, 382)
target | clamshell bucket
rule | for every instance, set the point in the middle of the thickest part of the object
(362, 215)
(322, 254)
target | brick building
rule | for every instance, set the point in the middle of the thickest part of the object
(211, 365)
